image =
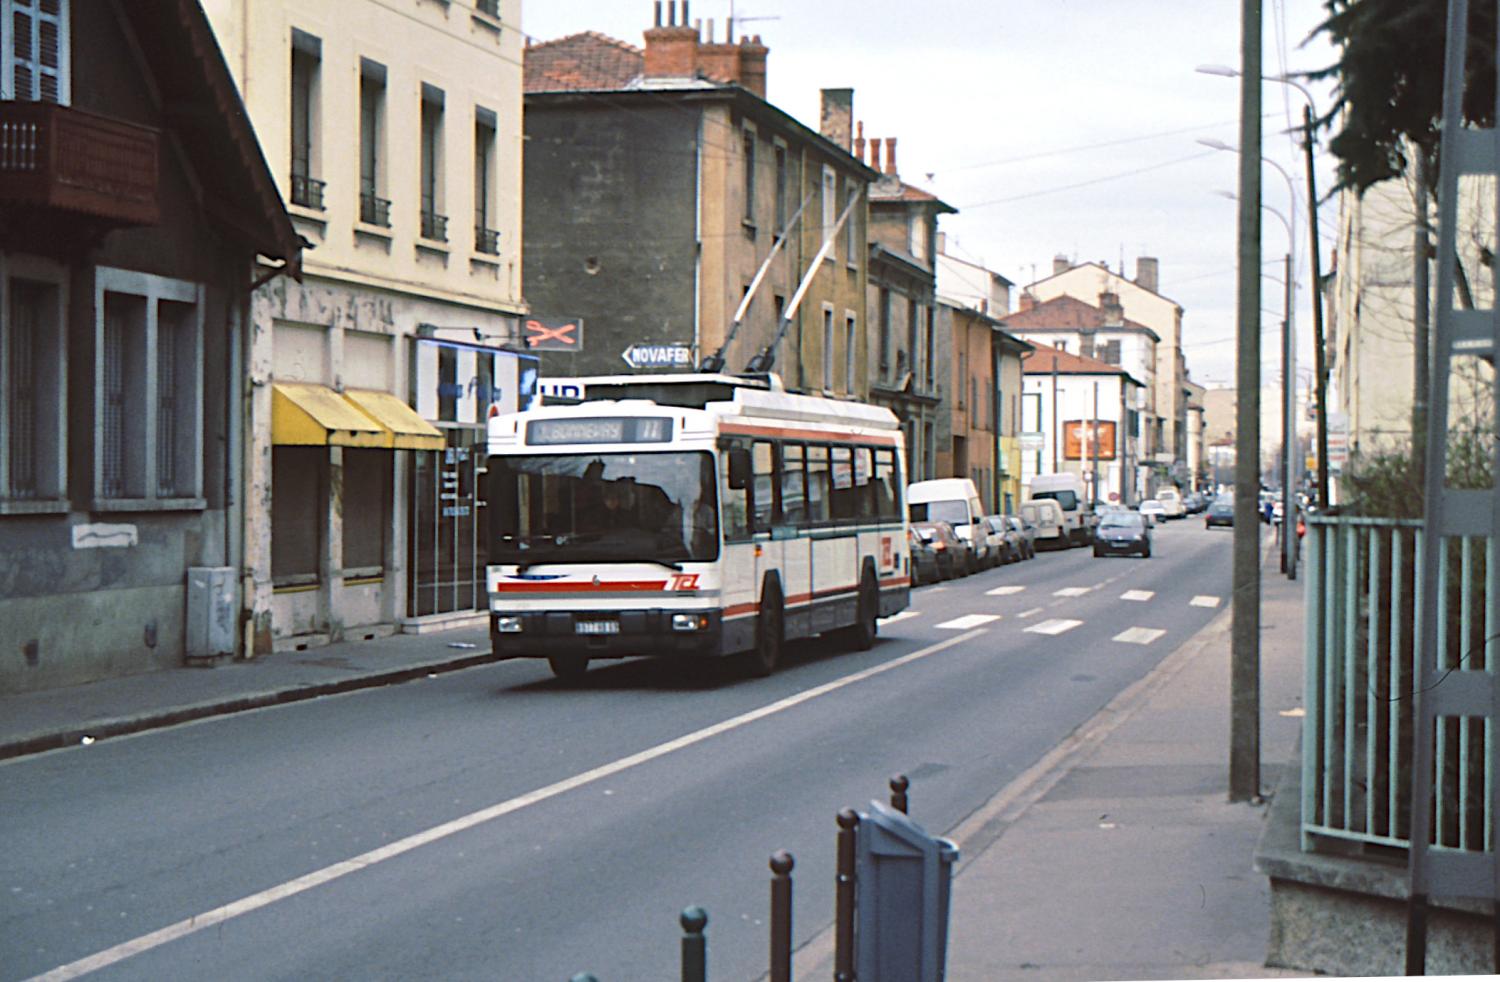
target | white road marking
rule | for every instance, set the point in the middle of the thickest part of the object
(899, 616)
(1053, 627)
(1139, 635)
(1003, 591)
(1032, 612)
(1295, 713)
(302, 884)
(1141, 596)
(1072, 591)
(1204, 601)
(968, 622)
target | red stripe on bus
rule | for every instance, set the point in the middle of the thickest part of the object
(581, 587)
(741, 428)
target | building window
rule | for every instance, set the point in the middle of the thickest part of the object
(885, 330)
(434, 222)
(486, 238)
(33, 414)
(827, 350)
(307, 53)
(849, 348)
(1109, 352)
(149, 395)
(918, 230)
(296, 514)
(374, 207)
(851, 229)
(490, 7)
(913, 335)
(781, 186)
(747, 141)
(963, 371)
(368, 478)
(36, 47)
(929, 360)
(830, 200)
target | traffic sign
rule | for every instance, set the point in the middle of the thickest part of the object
(675, 355)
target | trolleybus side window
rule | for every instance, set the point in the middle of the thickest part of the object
(818, 489)
(765, 497)
(845, 501)
(734, 501)
(865, 508)
(887, 485)
(793, 485)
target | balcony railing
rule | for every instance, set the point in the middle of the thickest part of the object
(486, 240)
(54, 156)
(307, 191)
(491, 7)
(374, 210)
(1365, 610)
(434, 226)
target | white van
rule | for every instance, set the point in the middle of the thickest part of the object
(954, 500)
(1047, 516)
(1068, 491)
(1171, 503)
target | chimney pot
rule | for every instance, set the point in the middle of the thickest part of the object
(890, 156)
(684, 13)
(859, 141)
(658, 13)
(1148, 273)
(875, 153)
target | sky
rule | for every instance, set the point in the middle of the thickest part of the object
(1056, 127)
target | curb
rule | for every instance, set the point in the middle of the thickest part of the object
(125, 725)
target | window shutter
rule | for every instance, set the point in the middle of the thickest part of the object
(37, 53)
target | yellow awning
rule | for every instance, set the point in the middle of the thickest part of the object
(304, 414)
(407, 430)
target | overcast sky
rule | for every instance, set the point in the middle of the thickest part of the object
(1054, 126)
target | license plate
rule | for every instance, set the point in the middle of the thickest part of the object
(597, 627)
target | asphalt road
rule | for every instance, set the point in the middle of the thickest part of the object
(496, 824)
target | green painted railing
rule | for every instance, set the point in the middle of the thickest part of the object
(1364, 610)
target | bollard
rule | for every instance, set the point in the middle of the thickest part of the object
(781, 916)
(899, 784)
(694, 945)
(844, 885)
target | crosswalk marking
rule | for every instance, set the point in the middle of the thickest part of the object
(1141, 596)
(1053, 627)
(968, 621)
(1072, 591)
(1003, 591)
(900, 616)
(1139, 635)
(1203, 600)
(1029, 613)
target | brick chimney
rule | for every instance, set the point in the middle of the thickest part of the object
(671, 49)
(753, 55)
(1147, 274)
(1028, 300)
(836, 120)
(890, 156)
(859, 141)
(1060, 264)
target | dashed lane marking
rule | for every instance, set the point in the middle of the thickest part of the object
(1202, 600)
(1053, 627)
(1139, 635)
(1140, 596)
(1003, 591)
(1032, 612)
(968, 621)
(1072, 591)
(900, 616)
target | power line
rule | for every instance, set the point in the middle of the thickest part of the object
(1088, 183)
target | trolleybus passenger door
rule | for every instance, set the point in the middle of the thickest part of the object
(738, 565)
(792, 537)
(835, 545)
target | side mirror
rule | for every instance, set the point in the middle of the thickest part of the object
(740, 472)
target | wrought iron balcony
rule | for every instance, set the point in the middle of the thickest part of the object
(307, 191)
(486, 240)
(434, 226)
(58, 157)
(374, 210)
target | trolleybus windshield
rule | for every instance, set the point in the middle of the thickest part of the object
(603, 507)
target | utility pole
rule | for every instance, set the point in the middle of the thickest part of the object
(1094, 444)
(1320, 355)
(1289, 428)
(1244, 672)
(1421, 320)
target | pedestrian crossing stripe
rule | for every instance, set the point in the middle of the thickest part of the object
(1053, 627)
(1072, 591)
(900, 616)
(1003, 591)
(968, 621)
(1204, 601)
(1139, 635)
(1140, 596)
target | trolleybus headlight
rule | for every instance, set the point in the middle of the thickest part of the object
(508, 624)
(689, 622)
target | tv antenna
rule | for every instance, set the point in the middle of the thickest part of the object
(745, 20)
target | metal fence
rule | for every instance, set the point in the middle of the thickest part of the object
(1364, 611)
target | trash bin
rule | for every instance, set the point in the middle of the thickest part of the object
(903, 880)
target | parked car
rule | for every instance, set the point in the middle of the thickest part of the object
(1221, 512)
(1068, 491)
(1171, 502)
(949, 558)
(1027, 533)
(990, 546)
(1195, 502)
(1051, 528)
(1122, 534)
(1154, 511)
(954, 500)
(1012, 548)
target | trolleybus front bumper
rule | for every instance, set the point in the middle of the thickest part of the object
(607, 633)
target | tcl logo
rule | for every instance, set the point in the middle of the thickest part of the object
(885, 552)
(684, 581)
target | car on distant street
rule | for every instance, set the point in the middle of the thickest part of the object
(1006, 546)
(1027, 533)
(1123, 534)
(1221, 512)
(1154, 511)
(937, 552)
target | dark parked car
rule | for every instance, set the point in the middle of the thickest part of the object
(1025, 534)
(942, 544)
(1221, 512)
(1123, 534)
(1010, 549)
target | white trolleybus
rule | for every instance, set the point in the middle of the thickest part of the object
(692, 515)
